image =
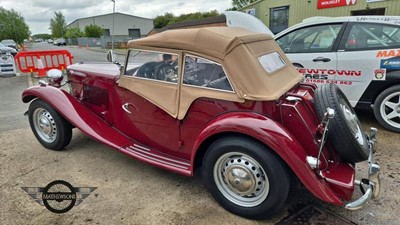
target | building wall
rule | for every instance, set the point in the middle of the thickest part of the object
(122, 23)
(302, 9)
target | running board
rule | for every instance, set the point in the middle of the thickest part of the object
(158, 159)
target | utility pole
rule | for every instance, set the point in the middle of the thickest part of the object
(112, 38)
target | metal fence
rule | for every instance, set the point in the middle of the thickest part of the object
(103, 41)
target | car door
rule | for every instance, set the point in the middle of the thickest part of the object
(361, 59)
(312, 49)
(146, 100)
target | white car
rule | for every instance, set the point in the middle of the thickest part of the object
(359, 53)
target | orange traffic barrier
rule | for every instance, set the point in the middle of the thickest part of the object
(40, 61)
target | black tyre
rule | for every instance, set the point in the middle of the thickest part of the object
(387, 109)
(245, 177)
(345, 131)
(49, 127)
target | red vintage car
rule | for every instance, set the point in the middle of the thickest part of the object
(223, 100)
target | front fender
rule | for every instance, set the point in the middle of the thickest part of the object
(277, 138)
(77, 114)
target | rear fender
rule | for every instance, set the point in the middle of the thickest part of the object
(277, 138)
(77, 114)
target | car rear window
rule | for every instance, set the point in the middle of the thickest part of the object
(271, 62)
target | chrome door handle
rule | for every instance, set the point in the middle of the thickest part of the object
(126, 106)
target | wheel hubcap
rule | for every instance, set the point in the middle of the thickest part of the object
(352, 121)
(241, 179)
(44, 125)
(390, 109)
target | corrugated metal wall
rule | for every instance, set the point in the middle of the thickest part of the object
(301, 9)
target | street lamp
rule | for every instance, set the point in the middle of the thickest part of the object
(112, 37)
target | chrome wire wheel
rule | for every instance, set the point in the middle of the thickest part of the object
(390, 109)
(44, 125)
(241, 179)
(352, 120)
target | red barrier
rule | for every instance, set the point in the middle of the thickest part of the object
(30, 61)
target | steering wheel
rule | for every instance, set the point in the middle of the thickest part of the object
(166, 72)
(147, 70)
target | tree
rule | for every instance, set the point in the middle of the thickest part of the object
(74, 33)
(57, 25)
(13, 26)
(41, 36)
(93, 30)
(162, 21)
(169, 18)
(238, 4)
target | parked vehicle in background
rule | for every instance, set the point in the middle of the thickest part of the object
(360, 54)
(7, 65)
(59, 42)
(4, 50)
(9, 43)
(49, 41)
(224, 100)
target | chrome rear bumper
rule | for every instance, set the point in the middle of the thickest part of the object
(373, 181)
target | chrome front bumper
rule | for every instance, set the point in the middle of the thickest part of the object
(373, 181)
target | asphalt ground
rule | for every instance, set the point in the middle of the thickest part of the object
(131, 192)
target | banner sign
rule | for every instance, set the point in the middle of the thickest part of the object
(323, 4)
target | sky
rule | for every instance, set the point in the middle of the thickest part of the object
(37, 13)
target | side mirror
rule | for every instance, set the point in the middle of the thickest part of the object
(110, 56)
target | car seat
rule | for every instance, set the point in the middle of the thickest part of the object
(297, 46)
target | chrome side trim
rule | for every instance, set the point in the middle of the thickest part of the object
(150, 155)
(293, 99)
(373, 181)
(142, 147)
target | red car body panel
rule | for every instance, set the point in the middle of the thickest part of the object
(279, 140)
(101, 118)
(77, 114)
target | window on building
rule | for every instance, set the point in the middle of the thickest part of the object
(279, 19)
(310, 39)
(379, 11)
(106, 32)
(134, 33)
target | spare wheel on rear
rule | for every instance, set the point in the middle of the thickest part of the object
(345, 131)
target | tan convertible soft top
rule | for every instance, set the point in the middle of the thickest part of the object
(213, 41)
(236, 49)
